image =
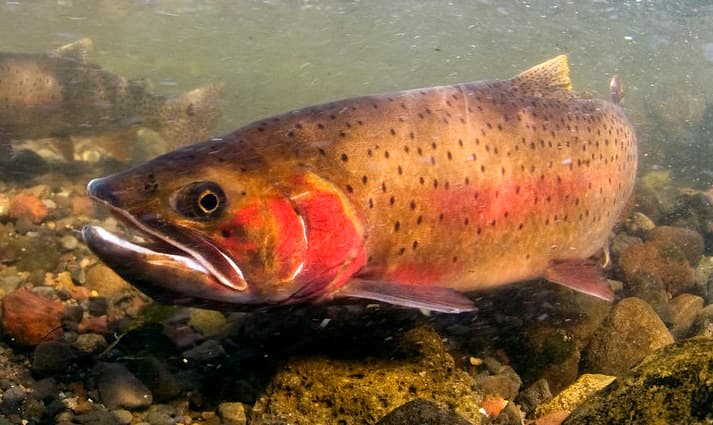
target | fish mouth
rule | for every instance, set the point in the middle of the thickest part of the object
(178, 251)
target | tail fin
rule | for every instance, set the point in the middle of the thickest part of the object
(192, 116)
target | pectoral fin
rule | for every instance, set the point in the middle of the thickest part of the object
(416, 296)
(582, 276)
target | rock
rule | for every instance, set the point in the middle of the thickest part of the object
(52, 357)
(29, 318)
(95, 417)
(28, 207)
(232, 413)
(156, 375)
(91, 343)
(107, 283)
(534, 395)
(319, 389)
(639, 224)
(422, 412)
(703, 324)
(207, 322)
(671, 386)
(208, 350)
(690, 241)
(161, 414)
(630, 332)
(574, 395)
(12, 398)
(69, 242)
(122, 416)
(684, 309)
(119, 388)
(656, 265)
(98, 306)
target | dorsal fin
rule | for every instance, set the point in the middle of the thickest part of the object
(548, 76)
(76, 50)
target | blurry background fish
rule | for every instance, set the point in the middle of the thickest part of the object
(60, 95)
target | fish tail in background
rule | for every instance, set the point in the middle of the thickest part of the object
(191, 117)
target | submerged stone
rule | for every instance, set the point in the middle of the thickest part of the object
(671, 386)
(320, 389)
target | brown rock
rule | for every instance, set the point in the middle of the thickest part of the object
(684, 309)
(655, 265)
(107, 283)
(29, 207)
(690, 241)
(30, 318)
(630, 332)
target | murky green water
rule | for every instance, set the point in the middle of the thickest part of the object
(277, 55)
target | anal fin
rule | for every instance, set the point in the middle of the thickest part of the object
(582, 276)
(415, 296)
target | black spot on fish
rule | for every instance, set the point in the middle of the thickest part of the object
(397, 226)
(344, 157)
(350, 189)
(414, 245)
(364, 179)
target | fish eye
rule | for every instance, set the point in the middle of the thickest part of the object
(199, 200)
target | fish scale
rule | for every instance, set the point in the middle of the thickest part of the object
(459, 187)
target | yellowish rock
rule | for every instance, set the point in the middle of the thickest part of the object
(575, 394)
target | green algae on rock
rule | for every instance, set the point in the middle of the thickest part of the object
(317, 389)
(671, 386)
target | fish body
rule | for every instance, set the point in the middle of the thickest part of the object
(411, 197)
(59, 94)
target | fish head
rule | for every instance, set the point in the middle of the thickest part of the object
(210, 232)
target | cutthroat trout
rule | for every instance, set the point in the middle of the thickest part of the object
(411, 198)
(59, 95)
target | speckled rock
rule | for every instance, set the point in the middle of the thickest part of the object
(52, 357)
(316, 389)
(29, 318)
(27, 206)
(107, 283)
(119, 388)
(690, 241)
(232, 413)
(703, 324)
(91, 343)
(421, 412)
(534, 395)
(574, 395)
(630, 332)
(671, 386)
(656, 265)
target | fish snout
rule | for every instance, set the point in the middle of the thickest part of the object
(101, 190)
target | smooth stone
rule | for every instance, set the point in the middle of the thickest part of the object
(157, 376)
(684, 309)
(122, 416)
(161, 414)
(630, 332)
(96, 417)
(208, 350)
(98, 306)
(119, 388)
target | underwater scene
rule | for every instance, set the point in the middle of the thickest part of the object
(356, 212)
